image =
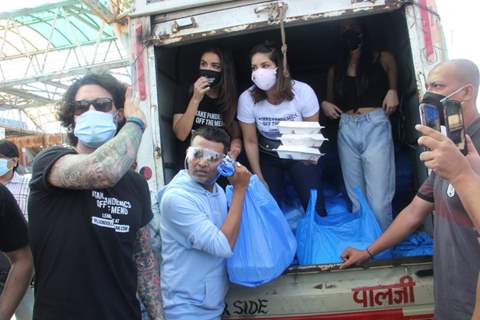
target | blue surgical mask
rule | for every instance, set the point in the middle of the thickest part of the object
(94, 128)
(4, 167)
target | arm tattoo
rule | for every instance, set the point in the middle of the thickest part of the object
(104, 167)
(148, 275)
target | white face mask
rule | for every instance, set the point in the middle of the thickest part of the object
(264, 78)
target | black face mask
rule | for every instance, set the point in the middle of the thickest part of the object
(213, 77)
(435, 100)
(352, 39)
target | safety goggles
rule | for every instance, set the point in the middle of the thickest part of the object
(204, 154)
(100, 104)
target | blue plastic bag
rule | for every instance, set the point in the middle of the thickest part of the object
(321, 240)
(265, 245)
(417, 244)
(291, 206)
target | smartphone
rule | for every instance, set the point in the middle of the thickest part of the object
(453, 116)
(430, 116)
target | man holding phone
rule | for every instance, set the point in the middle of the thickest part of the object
(445, 159)
(454, 233)
(444, 114)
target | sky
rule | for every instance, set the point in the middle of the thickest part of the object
(461, 32)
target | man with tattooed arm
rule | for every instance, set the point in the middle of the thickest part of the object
(88, 212)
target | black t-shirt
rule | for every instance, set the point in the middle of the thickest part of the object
(352, 97)
(13, 228)
(83, 245)
(207, 113)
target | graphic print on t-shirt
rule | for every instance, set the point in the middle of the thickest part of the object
(204, 118)
(111, 208)
(450, 190)
(266, 116)
(270, 124)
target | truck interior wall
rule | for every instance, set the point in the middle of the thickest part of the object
(312, 49)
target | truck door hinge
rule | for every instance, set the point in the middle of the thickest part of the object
(276, 11)
(182, 24)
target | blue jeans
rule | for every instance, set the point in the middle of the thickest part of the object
(366, 152)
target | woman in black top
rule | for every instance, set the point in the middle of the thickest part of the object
(362, 92)
(213, 101)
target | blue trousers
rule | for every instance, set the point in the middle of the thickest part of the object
(366, 152)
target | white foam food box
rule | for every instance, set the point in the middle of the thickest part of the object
(304, 140)
(299, 127)
(298, 153)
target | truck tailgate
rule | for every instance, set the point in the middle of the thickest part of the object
(399, 290)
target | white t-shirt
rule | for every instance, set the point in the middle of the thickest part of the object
(267, 116)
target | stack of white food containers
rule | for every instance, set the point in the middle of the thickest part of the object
(301, 140)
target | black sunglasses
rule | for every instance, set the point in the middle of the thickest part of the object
(100, 104)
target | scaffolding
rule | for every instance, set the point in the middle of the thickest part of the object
(44, 49)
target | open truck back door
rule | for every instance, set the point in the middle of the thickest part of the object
(388, 290)
(166, 23)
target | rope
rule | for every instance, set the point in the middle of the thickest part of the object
(282, 11)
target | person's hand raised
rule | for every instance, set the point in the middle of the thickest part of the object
(199, 88)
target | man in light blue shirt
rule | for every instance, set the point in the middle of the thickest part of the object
(198, 231)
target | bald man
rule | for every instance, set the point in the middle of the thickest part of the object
(457, 250)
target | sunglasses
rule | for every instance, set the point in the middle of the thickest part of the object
(100, 104)
(204, 154)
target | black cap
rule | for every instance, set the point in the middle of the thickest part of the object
(8, 149)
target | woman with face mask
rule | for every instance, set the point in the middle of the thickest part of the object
(212, 102)
(275, 97)
(362, 93)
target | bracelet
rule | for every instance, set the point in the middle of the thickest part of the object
(369, 253)
(137, 121)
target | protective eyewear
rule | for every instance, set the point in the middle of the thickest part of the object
(100, 104)
(204, 154)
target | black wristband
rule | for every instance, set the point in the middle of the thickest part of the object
(369, 253)
(137, 121)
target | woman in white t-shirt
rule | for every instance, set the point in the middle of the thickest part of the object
(275, 97)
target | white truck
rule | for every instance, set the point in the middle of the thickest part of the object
(167, 39)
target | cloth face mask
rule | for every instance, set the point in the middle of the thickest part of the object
(264, 78)
(352, 39)
(437, 100)
(94, 128)
(4, 169)
(212, 76)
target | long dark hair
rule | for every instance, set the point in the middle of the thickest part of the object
(368, 57)
(283, 86)
(227, 90)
